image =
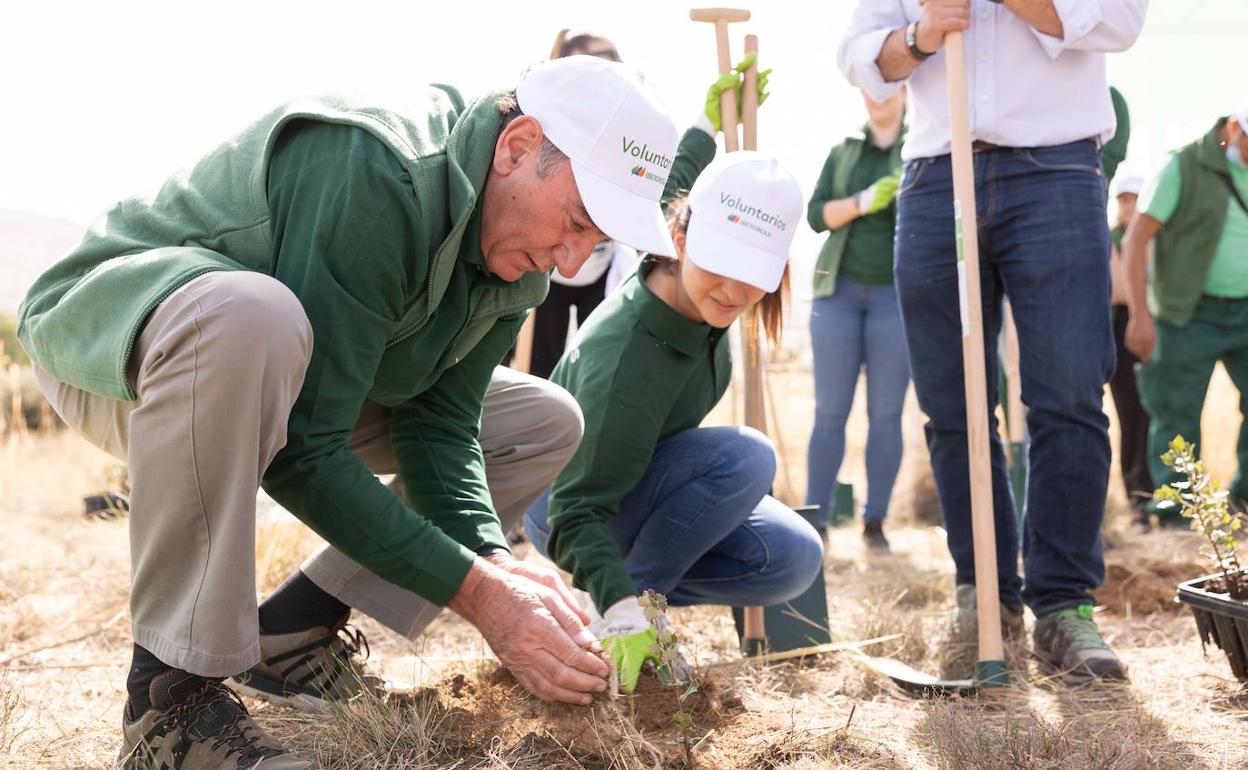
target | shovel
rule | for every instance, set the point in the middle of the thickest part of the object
(990, 668)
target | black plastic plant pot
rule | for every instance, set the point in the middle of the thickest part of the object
(1220, 619)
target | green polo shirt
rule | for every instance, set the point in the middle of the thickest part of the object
(1228, 273)
(640, 371)
(868, 257)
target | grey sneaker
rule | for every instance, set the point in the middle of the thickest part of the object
(1069, 641)
(207, 728)
(960, 646)
(311, 670)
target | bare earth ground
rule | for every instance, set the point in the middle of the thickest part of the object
(64, 646)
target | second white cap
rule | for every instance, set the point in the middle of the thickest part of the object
(743, 212)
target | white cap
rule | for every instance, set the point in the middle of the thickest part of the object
(743, 211)
(609, 121)
(1128, 184)
(1241, 117)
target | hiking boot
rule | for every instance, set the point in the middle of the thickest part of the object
(873, 534)
(198, 724)
(1069, 641)
(960, 647)
(311, 670)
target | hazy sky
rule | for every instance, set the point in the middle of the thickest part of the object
(102, 99)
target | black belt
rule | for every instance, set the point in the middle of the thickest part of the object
(980, 145)
(1223, 300)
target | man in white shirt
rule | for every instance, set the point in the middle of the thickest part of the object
(1040, 108)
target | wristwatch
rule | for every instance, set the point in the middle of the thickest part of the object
(912, 34)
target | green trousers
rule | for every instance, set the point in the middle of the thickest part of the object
(1174, 382)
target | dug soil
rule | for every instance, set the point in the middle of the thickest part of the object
(1139, 586)
(490, 708)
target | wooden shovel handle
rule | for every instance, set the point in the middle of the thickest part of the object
(983, 523)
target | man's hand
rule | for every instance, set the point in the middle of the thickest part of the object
(543, 576)
(940, 17)
(630, 639)
(1141, 334)
(877, 197)
(733, 79)
(533, 632)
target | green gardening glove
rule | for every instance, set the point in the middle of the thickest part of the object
(629, 653)
(734, 79)
(878, 196)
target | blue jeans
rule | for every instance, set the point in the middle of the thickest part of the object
(857, 326)
(1044, 243)
(701, 528)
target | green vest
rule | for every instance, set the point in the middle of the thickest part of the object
(81, 317)
(843, 158)
(1185, 245)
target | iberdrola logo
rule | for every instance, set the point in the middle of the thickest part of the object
(757, 219)
(650, 160)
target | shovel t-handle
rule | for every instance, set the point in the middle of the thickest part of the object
(721, 18)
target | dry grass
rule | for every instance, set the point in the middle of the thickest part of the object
(11, 711)
(64, 646)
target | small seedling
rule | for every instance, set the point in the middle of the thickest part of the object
(666, 650)
(1202, 500)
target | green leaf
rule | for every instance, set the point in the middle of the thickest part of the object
(683, 721)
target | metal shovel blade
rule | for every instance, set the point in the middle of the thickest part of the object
(918, 683)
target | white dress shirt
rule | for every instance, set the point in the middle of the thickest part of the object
(1025, 88)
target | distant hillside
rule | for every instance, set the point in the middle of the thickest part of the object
(29, 242)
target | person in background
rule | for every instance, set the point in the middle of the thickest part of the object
(1190, 311)
(1114, 151)
(1137, 481)
(854, 318)
(1039, 109)
(608, 264)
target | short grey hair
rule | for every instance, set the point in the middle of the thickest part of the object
(549, 157)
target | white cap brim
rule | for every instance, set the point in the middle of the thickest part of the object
(622, 215)
(723, 254)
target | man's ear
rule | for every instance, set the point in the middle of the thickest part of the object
(519, 141)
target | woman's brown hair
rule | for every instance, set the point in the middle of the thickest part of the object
(770, 309)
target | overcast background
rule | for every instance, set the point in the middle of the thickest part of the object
(101, 100)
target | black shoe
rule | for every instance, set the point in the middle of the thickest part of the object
(873, 534)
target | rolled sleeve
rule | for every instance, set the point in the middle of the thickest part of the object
(1094, 25)
(857, 59)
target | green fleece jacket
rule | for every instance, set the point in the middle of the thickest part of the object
(370, 216)
(1185, 246)
(834, 182)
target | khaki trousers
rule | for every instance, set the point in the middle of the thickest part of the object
(217, 367)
